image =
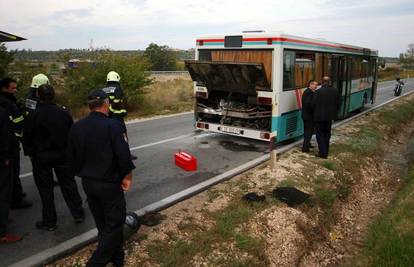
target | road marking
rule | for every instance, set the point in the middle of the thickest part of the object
(142, 146)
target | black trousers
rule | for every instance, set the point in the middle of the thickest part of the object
(309, 129)
(43, 176)
(323, 136)
(17, 195)
(107, 204)
(6, 190)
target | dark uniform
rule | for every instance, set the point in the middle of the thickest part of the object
(8, 144)
(307, 117)
(98, 152)
(45, 141)
(115, 95)
(8, 101)
(31, 102)
(326, 103)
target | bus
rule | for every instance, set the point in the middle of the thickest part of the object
(251, 84)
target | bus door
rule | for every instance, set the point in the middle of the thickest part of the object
(340, 80)
(374, 73)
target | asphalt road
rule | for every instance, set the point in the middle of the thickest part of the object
(156, 176)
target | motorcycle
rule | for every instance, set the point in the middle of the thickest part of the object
(398, 88)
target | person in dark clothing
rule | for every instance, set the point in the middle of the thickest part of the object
(326, 103)
(7, 151)
(33, 98)
(8, 88)
(98, 152)
(45, 141)
(307, 115)
(115, 94)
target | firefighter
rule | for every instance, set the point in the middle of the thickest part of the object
(8, 101)
(45, 140)
(115, 94)
(8, 145)
(32, 99)
(98, 152)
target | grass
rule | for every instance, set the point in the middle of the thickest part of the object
(391, 238)
(330, 165)
(177, 252)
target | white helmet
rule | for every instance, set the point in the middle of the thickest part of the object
(113, 77)
(38, 80)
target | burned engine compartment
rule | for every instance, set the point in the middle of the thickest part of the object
(234, 109)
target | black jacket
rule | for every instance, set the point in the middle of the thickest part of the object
(46, 132)
(116, 95)
(8, 101)
(8, 142)
(307, 109)
(326, 103)
(98, 149)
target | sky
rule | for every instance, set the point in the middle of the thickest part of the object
(133, 24)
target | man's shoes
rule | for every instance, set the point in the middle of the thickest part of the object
(42, 226)
(305, 150)
(10, 238)
(133, 157)
(23, 204)
(321, 156)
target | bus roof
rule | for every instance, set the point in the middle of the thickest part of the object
(263, 39)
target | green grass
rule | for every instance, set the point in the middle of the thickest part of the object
(330, 165)
(390, 241)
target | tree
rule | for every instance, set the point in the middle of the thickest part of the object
(134, 72)
(407, 59)
(5, 59)
(162, 58)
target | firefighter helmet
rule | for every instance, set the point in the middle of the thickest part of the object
(39, 80)
(113, 77)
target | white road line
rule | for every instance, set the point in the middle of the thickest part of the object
(138, 147)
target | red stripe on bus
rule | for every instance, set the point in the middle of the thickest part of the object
(284, 39)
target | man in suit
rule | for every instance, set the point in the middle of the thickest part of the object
(307, 114)
(326, 103)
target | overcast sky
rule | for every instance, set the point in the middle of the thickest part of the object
(121, 24)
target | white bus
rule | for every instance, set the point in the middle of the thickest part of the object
(251, 84)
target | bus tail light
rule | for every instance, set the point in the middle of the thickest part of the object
(202, 125)
(201, 95)
(201, 42)
(264, 101)
(265, 135)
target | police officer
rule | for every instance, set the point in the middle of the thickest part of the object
(32, 99)
(8, 144)
(8, 88)
(45, 140)
(98, 152)
(115, 94)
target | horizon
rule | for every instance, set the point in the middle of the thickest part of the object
(132, 25)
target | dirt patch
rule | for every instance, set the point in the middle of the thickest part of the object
(216, 228)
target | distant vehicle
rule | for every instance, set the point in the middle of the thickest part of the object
(398, 87)
(251, 84)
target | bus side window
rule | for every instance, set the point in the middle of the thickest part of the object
(204, 55)
(288, 70)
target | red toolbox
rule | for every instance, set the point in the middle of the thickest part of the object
(185, 161)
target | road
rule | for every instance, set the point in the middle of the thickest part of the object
(156, 176)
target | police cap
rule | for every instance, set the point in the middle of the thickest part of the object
(97, 95)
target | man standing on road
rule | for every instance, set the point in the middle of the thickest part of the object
(307, 115)
(115, 94)
(8, 89)
(45, 141)
(326, 103)
(8, 144)
(99, 153)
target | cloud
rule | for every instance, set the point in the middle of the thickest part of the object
(122, 24)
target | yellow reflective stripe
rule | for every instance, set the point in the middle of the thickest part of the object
(18, 119)
(111, 97)
(117, 100)
(117, 111)
(18, 134)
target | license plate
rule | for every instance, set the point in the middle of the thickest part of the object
(232, 130)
